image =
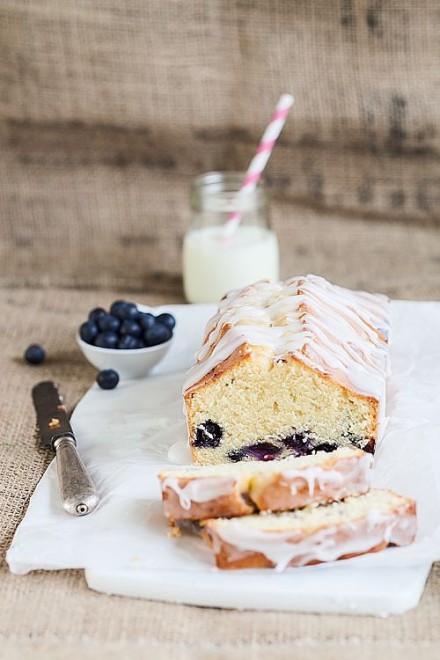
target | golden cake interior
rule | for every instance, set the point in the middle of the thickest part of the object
(284, 403)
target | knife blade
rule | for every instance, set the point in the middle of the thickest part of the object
(78, 493)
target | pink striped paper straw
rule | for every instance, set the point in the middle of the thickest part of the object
(259, 161)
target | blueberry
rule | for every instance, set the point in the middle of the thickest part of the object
(263, 451)
(299, 442)
(326, 446)
(130, 328)
(146, 320)
(370, 447)
(128, 311)
(107, 340)
(34, 354)
(88, 331)
(166, 319)
(260, 451)
(107, 379)
(236, 455)
(158, 334)
(109, 322)
(96, 314)
(208, 434)
(116, 307)
(127, 342)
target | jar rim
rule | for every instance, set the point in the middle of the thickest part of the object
(217, 191)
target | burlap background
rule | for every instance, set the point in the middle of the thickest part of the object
(107, 110)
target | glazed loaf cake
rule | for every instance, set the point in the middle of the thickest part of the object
(315, 534)
(197, 493)
(289, 368)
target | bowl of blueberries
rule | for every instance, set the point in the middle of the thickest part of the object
(128, 339)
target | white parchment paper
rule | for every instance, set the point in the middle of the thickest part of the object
(124, 436)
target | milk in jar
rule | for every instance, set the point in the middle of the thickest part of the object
(214, 264)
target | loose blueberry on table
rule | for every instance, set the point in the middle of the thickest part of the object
(107, 379)
(34, 354)
(125, 327)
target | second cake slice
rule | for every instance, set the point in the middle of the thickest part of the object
(340, 530)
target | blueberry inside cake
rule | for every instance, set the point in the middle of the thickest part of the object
(289, 368)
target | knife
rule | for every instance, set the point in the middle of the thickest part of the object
(78, 493)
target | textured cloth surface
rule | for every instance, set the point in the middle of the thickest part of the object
(108, 109)
(400, 259)
(54, 615)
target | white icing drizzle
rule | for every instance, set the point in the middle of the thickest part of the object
(331, 329)
(200, 490)
(312, 476)
(344, 474)
(326, 544)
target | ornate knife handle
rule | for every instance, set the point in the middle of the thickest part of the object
(78, 493)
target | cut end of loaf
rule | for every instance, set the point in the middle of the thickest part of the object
(261, 409)
(288, 369)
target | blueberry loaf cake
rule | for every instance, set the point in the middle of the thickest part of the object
(315, 534)
(289, 368)
(199, 492)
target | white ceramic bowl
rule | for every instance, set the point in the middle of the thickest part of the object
(135, 363)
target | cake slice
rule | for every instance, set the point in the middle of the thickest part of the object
(289, 368)
(196, 493)
(315, 534)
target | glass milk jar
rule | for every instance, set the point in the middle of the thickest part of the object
(215, 263)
